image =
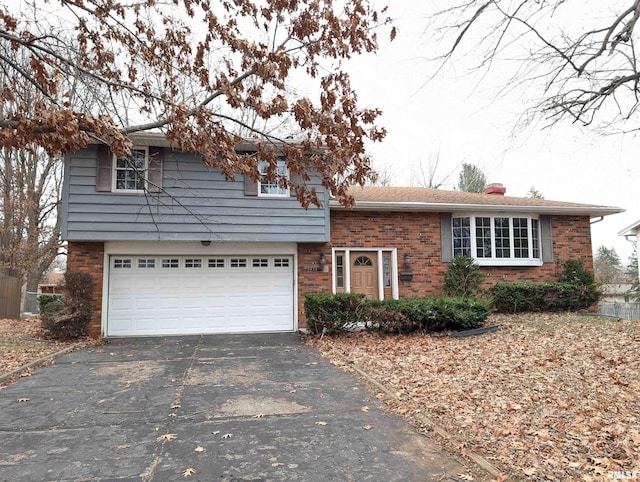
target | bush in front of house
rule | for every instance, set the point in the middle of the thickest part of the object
(576, 290)
(331, 313)
(69, 318)
(395, 316)
(463, 277)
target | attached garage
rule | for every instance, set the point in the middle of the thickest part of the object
(199, 294)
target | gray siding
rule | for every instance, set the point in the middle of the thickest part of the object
(197, 204)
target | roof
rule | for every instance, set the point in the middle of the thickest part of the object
(616, 288)
(631, 230)
(423, 199)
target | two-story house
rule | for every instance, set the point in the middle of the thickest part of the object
(174, 248)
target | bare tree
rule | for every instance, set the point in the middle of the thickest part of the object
(194, 70)
(427, 176)
(580, 56)
(384, 175)
(533, 193)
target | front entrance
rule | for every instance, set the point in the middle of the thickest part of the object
(364, 274)
(371, 271)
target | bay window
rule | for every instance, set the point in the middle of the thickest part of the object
(497, 240)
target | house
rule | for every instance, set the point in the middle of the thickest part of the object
(616, 292)
(51, 284)
(632, 234)
(173, 248)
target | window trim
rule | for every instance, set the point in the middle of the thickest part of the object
(493, 260)
(144, 174)
(285, 192)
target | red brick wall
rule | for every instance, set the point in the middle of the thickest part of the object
(89, 257)
(418, 234)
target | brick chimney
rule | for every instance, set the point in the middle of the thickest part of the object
(496, 188)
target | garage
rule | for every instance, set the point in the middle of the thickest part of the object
(181, 295)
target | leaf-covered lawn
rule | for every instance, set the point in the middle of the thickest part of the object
(21, 342)
(548, 397)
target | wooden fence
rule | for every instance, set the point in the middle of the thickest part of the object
(10, 289)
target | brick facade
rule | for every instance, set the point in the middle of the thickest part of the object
(418, 234)
(89, 257)
(415, 233)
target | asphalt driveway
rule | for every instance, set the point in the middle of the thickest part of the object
(227, 408)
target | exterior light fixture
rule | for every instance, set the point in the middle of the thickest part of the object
(323, 261)
(407, 261)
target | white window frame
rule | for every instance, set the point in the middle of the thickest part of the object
(493, 260)
(378, 252)
(282, 171)
(144, 173)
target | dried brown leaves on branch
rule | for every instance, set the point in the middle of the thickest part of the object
(548, 397)
(578, 57)
(203, 72)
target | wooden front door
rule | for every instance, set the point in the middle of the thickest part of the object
(364, 274)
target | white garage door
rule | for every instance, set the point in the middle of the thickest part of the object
(171, 295)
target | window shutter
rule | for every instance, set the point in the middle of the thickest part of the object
(154, 173)
(296, 179)
(446, 237)
(104, 169)
(547, 240)
(250, 186)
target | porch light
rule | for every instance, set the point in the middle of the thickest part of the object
(323, 261)
(407, 261)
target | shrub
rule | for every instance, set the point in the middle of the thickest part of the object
(49, 303)
(72, 318)
(428, 314)
(334, 312)
(463, 277)
(523, 297)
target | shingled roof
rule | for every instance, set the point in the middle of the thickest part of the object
(375, 198)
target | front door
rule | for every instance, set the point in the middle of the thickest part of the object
(364, 274)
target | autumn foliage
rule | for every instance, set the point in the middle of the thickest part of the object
(206, 73)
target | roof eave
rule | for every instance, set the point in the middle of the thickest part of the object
(592, 211)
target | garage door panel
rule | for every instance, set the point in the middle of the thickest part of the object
(195, 300)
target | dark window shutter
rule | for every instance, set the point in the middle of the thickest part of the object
(446, 237)
(154, 175)
(104, 169)
(547, 240)
(250, 186)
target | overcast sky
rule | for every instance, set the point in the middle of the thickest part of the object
(463, 119)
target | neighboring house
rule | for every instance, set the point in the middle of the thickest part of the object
(616, 292)
(51, 284)
(632, 234)
(173, 248)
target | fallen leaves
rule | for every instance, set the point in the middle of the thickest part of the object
(167, 436)
(199, 449)
(321, 423)
(227, 435)
(552, 397)
(188, 472)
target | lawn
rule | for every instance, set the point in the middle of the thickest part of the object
(547, 397)
(22, 342)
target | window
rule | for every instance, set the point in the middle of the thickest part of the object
(216, 263)
(130, 172)
(238, 262)
(146, 263)
(193, 263)
(281, 262)
(506, 240)
(170, 263)
(121, 263)
(260, 263)
(386, 270)
(340, 271)
(271, 187)
(362, 261)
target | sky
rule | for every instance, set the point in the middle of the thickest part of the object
(460, 117)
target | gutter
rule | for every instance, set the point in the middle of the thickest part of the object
(592, 211)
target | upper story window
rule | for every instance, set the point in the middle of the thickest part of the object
(130, 171)
(271, 187)
(498, 240)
